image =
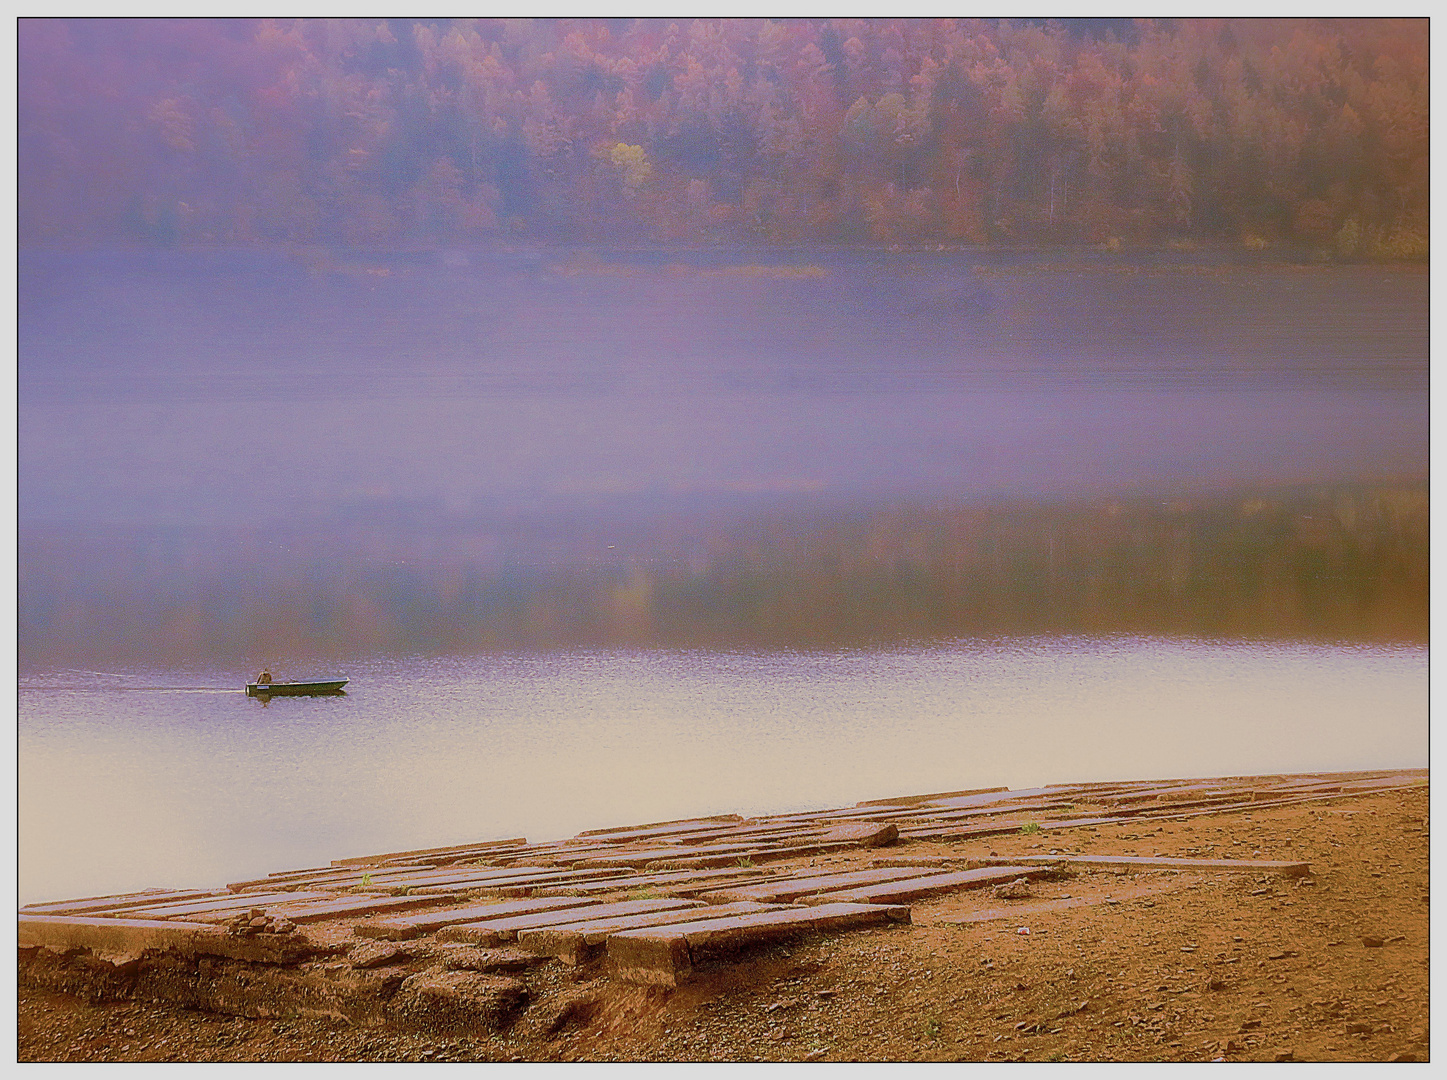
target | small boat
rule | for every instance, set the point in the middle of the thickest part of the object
(295, 689)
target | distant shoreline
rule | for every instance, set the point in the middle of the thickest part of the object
(1230, 255)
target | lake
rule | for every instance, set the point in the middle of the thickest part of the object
(184, 387)
(139, 777)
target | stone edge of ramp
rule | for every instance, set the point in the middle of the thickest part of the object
(120, 941)
(666, 955)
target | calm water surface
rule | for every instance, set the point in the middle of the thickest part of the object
(135, 778)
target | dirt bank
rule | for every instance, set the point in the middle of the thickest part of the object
(1115, 966)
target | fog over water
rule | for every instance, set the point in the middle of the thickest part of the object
(179, 385)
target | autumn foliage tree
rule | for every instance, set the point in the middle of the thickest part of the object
(365, 132)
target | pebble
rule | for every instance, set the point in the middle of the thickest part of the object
(1019, 889)
(370, 955)
(1373, 942)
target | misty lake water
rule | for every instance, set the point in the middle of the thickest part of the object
(175, 387)
(139, 778)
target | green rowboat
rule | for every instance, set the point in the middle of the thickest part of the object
(295, 689)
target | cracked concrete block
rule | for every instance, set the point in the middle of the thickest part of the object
(458, 1001)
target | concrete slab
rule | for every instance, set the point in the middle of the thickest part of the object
(1285, 868)
(437, 873)
(229, 904)
(1395, 780)
(481, 877)
(923, 863)
(666, 955)
(1005, 827)
(862, 833)
(754, 855)
(115, 940)
(1151, 793)
(421, 853)
(559, 883)
(497, 931)
(489, 961)
(759, 837)
(668, 882)
(406, 927)
(122, 902)
(784, 890)
(864, 813)
(915, 800)
(638, 858)
(1197, 795)
(1269, 794)
(702, 881)
(555, 856)
(677, 834)
(921, 888)
(325, 878)
(473, 854)
(120, 941)
(769, 830)
(458, 1002)
(681, 822)
(614, 882)
(981, 813)
(989, 798)
(575, 943)
(359, 905)
(370, 955)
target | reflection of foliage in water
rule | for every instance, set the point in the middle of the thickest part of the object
(1344, 562)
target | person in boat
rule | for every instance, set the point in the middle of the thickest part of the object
(264, 679)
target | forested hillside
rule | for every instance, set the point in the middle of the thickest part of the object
(1306, 133)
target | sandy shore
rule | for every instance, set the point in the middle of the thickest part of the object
(1093, 965)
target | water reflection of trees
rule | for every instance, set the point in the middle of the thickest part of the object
(1340, 562)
